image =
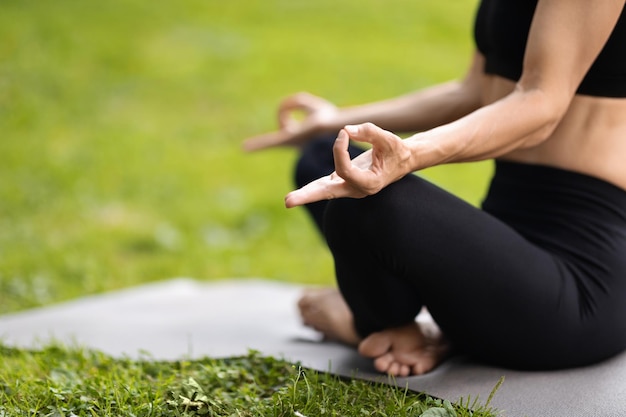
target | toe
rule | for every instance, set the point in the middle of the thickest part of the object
(384, 362)
(417, 369)
(424, 364)
(405, 370)
(394, 369)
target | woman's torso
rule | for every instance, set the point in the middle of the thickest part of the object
(591, 137)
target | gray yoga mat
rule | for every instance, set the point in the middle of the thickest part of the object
(186, 318)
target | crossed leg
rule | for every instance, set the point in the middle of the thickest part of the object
(495, 280)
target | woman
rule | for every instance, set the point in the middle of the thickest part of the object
(536, 279)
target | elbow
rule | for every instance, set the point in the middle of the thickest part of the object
(542, 133)
(548, 111)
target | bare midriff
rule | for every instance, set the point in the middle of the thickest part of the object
(590, 139)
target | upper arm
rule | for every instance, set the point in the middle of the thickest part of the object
(565, 38)
(472, 82)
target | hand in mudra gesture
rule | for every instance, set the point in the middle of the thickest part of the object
(386, 162)
(318, 115)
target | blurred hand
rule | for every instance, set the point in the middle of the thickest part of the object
(317, 113)
(367, 174)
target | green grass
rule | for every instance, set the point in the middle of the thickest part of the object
(121, 124)
(86, 383)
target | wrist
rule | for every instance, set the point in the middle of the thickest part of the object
(425, 151)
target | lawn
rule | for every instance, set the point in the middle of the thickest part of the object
(121, 125)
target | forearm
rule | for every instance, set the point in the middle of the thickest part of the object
(424, 109)
(522, 119)
(414, 112)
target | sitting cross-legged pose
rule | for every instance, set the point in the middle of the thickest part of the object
(533, 279)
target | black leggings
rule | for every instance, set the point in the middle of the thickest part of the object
(534, 280)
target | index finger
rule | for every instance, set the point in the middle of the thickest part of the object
(300, 101)
(370, 133)
(318, 190)
(266, 140)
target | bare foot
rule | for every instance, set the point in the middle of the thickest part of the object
(406, 350)
(325, 310)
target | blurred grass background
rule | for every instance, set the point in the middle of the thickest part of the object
(121, 124)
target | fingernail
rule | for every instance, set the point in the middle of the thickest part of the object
(351, 129)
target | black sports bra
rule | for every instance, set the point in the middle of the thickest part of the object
(501, 30)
